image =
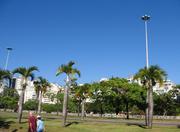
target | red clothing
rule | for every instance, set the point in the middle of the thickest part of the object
(32, 124)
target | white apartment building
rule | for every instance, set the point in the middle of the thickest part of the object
(55, 88)
(30, 90)
(164, 88)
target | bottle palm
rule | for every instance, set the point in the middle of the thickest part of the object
(26, 73)
(41, 86)
(149, 77)
(70, 72)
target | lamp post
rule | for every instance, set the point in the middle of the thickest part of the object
(7, 58)
(146, 18)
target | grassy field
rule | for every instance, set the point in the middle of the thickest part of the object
(8, 123)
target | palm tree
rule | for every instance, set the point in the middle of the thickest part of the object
(41, 86)
(25, 73)
(70, 72)
(37, 88)
(82, 92)
(149, 78)
(5, 74)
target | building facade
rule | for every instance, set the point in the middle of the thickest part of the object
(159, 89)
(30, 92)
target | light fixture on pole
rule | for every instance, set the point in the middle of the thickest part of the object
(7, 58)
(146, 18)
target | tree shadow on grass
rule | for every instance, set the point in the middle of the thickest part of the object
(23, 122)
(71, 123)
(5, 124)
(15, 130)
(137, 124)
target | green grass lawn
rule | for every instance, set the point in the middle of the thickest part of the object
(54, 125)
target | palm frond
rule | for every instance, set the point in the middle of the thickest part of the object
(30, 70)
(68, 70)
(33, 68)
(26, 72)
(154, 74)
(61, 69)
(20, 70)
(70, 63)
(76, 71)
(5, 74)
(32, 76)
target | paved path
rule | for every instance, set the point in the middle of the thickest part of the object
(129, 122)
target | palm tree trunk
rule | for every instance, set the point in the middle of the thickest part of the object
(65, 104)
(65, 101)
(39, 102)
(147, 107)
(20, 109)
(150, 105)
(82, 110)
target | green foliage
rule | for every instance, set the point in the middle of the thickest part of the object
(72, 108)
(30, 105)
(167, 103)
(7, 76)
(68, 69)
(58, 98)
(150, 76)
(49, 108)
(9, 99)
(41, 85)
(26, 72)
(115, 95)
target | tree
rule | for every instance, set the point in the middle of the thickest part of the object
(82, 92)
(98, 97)
(175, 92)
(25, 73)
(9, 99)
(58, 98)
(5, 74)
(49, 107)
(70, 72)
(37, 88)
(164, 104)
(167, 103)
(102, 96)
(30, 105)
(125, 93)
(41, 85)
(149, 77)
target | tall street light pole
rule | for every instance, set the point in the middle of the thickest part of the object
(146, 18)
(7, 58)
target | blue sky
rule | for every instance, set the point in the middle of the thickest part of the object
(104, 37)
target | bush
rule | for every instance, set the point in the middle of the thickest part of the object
(49, 108)
(30, 105)
(72, 107)
(9, 99)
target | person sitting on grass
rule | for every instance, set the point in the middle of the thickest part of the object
(40, 124)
